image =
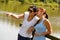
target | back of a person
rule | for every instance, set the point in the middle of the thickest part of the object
(40, 28)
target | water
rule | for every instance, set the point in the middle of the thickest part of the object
(9, 28)
(4, 12)
(9, 32)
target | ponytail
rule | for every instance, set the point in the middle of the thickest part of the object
(46, 16)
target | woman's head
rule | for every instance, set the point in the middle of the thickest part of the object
(42, 12)
(32, 10)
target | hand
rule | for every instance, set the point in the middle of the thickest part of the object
(8, 14)
(37, 34)
(30, 30)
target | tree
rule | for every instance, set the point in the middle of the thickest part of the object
(22, 1)
(35, 0)
(42, 0)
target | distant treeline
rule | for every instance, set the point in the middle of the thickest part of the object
(20, 6)
(32, 1)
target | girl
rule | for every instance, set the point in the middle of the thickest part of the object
(29, 20)
(43, 27)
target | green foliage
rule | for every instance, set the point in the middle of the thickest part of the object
(16, 6)
(12, 6)
(22, 1)
(42, 0)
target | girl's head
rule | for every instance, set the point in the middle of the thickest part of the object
(42, 12)
(32, 10)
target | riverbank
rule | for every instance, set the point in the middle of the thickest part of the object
(16, 6)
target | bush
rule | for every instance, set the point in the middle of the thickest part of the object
(13, 6)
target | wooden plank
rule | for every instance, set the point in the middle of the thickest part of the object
(52, 37)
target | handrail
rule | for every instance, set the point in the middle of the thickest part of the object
(50, 36)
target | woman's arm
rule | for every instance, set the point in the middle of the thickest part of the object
(30, 30)
(21, 16)
(48, 26)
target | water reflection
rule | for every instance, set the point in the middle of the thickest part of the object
(7, 31)
(9, 28)
(10, 20)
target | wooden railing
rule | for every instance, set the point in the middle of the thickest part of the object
(50, 36)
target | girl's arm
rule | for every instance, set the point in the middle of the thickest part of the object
(21, 16)
(48, 26)
(30, 30)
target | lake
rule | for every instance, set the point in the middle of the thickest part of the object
(9, 27)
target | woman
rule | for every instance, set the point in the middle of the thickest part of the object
(43, 27)
(29, 20)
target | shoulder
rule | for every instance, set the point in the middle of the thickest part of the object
(37, 18)
(46, 21)
(26, 12)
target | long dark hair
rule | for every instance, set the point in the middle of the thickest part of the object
(46, 15)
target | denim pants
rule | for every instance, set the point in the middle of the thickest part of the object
(23, 38)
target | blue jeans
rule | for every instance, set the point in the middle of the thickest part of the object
(23, 38)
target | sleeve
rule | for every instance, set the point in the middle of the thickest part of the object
(26, 15)
(37, 18)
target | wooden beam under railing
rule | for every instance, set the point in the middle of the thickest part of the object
(52, 37)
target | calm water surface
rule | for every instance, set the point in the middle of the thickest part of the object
(9, 27)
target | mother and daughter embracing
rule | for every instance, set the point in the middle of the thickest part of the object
(33, 19)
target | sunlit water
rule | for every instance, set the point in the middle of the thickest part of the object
(9, 30)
